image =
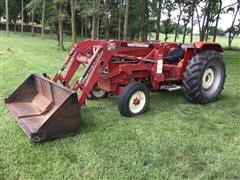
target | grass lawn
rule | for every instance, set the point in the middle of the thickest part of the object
(173, 140)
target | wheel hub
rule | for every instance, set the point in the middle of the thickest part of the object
(137, 102)
(208, 78)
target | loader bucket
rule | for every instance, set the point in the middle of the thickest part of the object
(44, 109)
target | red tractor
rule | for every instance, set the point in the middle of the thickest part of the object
(48, 108)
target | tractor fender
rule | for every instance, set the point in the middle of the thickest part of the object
(204, 46)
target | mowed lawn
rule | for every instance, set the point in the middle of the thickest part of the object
(174, 139)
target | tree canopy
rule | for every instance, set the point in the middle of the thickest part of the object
(124, 19)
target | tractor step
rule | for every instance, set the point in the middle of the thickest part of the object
(171, 87)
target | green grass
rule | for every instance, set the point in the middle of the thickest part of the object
(173, 140)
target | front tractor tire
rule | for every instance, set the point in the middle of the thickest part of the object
(98, 93)
(134, 99)
(204, 77)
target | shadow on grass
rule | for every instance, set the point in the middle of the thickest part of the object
(107, 109)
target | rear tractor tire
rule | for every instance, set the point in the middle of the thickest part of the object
(204, 77)
(134, 99)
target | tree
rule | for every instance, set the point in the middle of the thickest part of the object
(167, 24)
(32, 29)
(180, 4)
(126, 16)
(22, 16)
(120, 12)
(43, 17)
(234, 29)
(7, 18)
(73, 20)
(187, 15)
(95, 4)
(167, 28)
(206, 17)
(185, 22)
(32, 8)
(159, 14)
(193, 5)
(60, 25)
(106, 18)
(84, 14)
(198, 21)
(217, 20)
(14, 10)
(144, 17)
(2, 7)
(59, 12)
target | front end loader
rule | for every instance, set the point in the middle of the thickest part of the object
(48, 108)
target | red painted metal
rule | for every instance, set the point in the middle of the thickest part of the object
(114, 64)
(107, 65)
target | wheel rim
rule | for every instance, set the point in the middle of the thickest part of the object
(98, 93)
(137, 102)
(208, 78)
(212, 78)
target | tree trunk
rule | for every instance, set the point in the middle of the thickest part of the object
(73, 20)
(94, 20)
(60, 26)
(199, 23)
(158, 19)
(7, 18)
(207, 34)
(166, 37)
(119, 27)
(57, 34)
(107, 31)
(192, 22)
(187, 20)
(32, 28)
(217, 19)
(106, 24)
(43, 17)
(184, 33)
(126, 15)
(231, 35)
(229, 43)
(22, 14)
(86, 26)
(82, 27)
(144, 25)
(206, 21)
(98, 17)
(202, 32)
(98, 25)
(15, 26)
(178, 22)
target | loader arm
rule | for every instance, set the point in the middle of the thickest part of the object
(91, 74)
(93, 67)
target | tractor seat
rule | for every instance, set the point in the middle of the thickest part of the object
(175, 55)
